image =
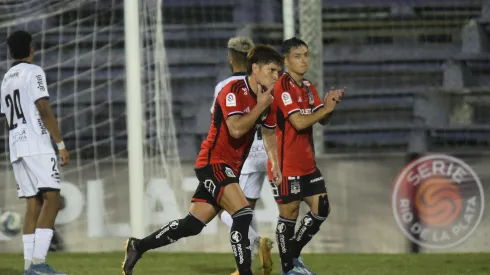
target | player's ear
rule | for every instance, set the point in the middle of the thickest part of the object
(255, 68)
(230, 58)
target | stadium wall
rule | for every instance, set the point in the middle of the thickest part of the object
(359, 188)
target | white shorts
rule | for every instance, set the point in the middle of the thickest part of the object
(251, 184)
(36, 173)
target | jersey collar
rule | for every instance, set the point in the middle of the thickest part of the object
(250, 91)
(298, 84)
(18, 62)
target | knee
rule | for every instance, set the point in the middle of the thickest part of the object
(289, 211)
(323, 206)
(189, 225)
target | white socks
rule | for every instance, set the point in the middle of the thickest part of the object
(41, 244)
(28, 240)
(252, 231)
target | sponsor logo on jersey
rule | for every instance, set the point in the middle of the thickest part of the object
(305, 111)
(40, 84)
(230, 100)
(286, 98)
(438, 201)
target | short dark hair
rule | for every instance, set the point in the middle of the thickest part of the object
(19, 44)
(263, 54)
(291, 43)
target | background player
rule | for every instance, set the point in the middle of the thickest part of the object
(238, 108)
(24, 101)
(298, 107)
(253, 172)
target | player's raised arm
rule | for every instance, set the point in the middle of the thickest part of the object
(240, 125)
(46, 113)
(301, 122)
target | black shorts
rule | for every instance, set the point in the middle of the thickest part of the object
(212, 181)
(299, 187)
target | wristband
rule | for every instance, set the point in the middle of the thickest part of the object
(61, 145)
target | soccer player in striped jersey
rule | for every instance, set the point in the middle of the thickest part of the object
(239, 107)
(24, 101)
(298, 108)
(254, 171)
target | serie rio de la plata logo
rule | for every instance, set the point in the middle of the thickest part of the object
(438, 201)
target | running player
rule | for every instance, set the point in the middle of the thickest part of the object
(238, 108)
(298, 108)
(253, 172)
(24, 100)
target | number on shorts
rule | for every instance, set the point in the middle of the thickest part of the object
(53, 160)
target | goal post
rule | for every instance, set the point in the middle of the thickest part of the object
(134, 109)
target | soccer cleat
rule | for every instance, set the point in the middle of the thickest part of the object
(43, 269)
(131, 257)
(295, 271)
(265, 255)
(299, 263)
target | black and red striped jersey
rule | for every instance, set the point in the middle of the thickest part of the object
(295, 148)
(236, 98)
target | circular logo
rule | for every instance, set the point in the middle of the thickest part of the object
(236, 237)
(437, 201)
(307, 221)
(281, 227)
(174, 224)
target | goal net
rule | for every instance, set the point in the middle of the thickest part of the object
(80, 46)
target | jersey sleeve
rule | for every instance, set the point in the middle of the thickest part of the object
(38, 87)
(283, 98)
(317, 103)
(270, 120)
(216, 92)
(229, 102)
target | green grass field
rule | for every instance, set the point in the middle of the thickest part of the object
(325, 264)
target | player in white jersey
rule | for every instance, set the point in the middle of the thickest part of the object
(254, 170)
(31, 123)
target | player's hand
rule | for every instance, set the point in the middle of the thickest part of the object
(332, 98)
(64, 157)
(266, 98)
(276, 175)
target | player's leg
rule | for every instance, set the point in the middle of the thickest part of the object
(288, 200)
(202, 210)
(26, 189)
(251, 184)
(314, 191)
(44, 170)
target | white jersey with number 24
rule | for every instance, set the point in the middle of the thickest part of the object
(22, 86)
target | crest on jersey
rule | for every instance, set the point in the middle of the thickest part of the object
(286, 98)
(311, 99)
(230, 100)
(229, 173)
(306, 83)
(295, 186)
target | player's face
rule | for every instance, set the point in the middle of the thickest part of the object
(268, 74)
(298, 60)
